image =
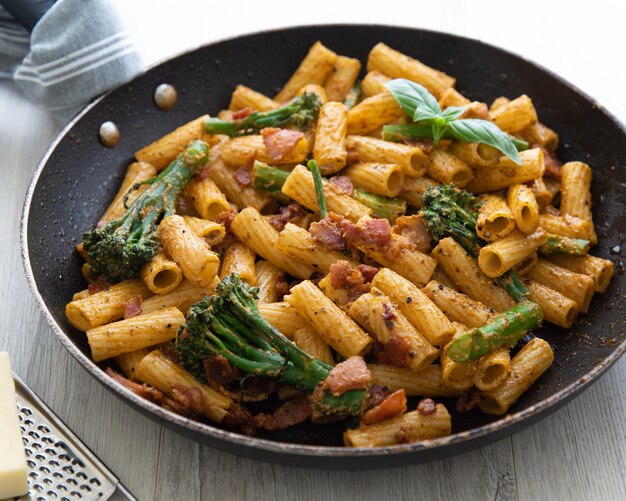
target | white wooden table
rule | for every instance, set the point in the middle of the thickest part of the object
(578, 453)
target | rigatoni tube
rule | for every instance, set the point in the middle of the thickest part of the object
(412, 159)
(380, 178)
(523, 205)
(161, 275)
(500, 256)
(507, 172)
(495, 219)
(330, 138)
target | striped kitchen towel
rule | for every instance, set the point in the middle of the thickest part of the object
(76, 51)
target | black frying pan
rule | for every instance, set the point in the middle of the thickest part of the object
(77, 177)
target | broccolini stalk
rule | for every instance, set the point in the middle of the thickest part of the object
(504, 329)
(353, 96)
(119, 248)
(269, 180)
(383, 207)
(230, 325)
(300, 112)
(419, 131)
(557, 244)
(451, 212)
(319, 188)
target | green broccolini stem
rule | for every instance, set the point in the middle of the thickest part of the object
(319, 188)
(557, 244)
(300, 112)
(383, 207)
(504, 329)
(353, 96)
(269, 180)
(511, 283)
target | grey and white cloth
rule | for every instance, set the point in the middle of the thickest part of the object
(78, 50)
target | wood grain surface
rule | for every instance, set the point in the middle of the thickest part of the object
(578, 453)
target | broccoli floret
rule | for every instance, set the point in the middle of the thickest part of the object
(229, 324)
(300, 112)
(119, 248)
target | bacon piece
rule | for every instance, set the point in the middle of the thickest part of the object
(328, 234)
(376, 232)
(280, 142)
(344, 183)
(388, 314)
(226, 218)
(376, 395)
(467, 401)
(237, 415)
(219, 372)
(242, 113)
(287, 214)
(203, 173)
(393, 405)
(377, 354)
(552, 162)
(397, 350)
(291, 413)
(426, 406)
(257, 388)
(185, 401)
(143, 390)
(368, 272)
(243, 175)
(132, 307)
(341, 274)
(282, 286)
(93, 288)
(413, 228)
(351, 374)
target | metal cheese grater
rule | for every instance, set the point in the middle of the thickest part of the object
(60, 465)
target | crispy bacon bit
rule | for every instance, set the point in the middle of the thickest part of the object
(282, 286)
(219, 372)
(344, 183)
(368, 272)
(388, 314)
(413, 229)
(243, 113)
(328, 234)
(203, 173)
(341, 275)
(376, 232)
(397, 350)
(287, 214)
(132, 307)
(257, 388)
(291, 413)
(467, 401)
(426, 406)
(226, 218)
(376, 395)
(185, 401)
(552, 162)
(238, 415)
(351, 374)
(93, 288)
(243, 175)
(143, 390)
(280, 142)
(393, 405)
(377, 354)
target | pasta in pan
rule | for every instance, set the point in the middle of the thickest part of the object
(339, 249)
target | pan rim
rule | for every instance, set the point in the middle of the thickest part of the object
(537, 410)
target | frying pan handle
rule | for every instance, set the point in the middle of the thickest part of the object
(27, 12)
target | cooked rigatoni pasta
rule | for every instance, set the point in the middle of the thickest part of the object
(373, 112)
(457, 306)
(207, 198)
(330, 138)
(556, 307)
(314, 68)
(283, 317)
(457, 375)
(312, 343)
(105, 306)
(461, 268)
(452, 97)
(245, 97)
(182, 297)
(161, 275)
(134, 333)
(409, 427)
(159, 371)
(212, 232)
(374, 83)
(267, 277)
(240, 150)
(429, 382)
(507, 173)
(383, 320)
(576, 193)
(239, 258)
(565, 226)
(576, 286)
(190, 252)
(600, 270)
(379, 178)
(137, 172)
(475, 154)
(161, 152)
(447, 168)
(129, 362)
(397, 65)
(335, 327)
(258, 234)
(315, 89)
(500, 256)
(542, 194)
(415, 305)
(341, 79)
(299, 186)
(495, 219)
(524, 207)
(493, 369)
(414, 189)
(515, 115)
(411, 159)
(526, 367)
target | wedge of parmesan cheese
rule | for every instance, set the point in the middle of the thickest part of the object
(13, 473)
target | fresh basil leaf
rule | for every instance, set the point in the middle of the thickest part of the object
(520, 144)
(412, 96)
(453, 112)
(407, 132)
(422, 114)
(473, 130)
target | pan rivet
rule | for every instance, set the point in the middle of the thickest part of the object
(165, 96)
(109, 134)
